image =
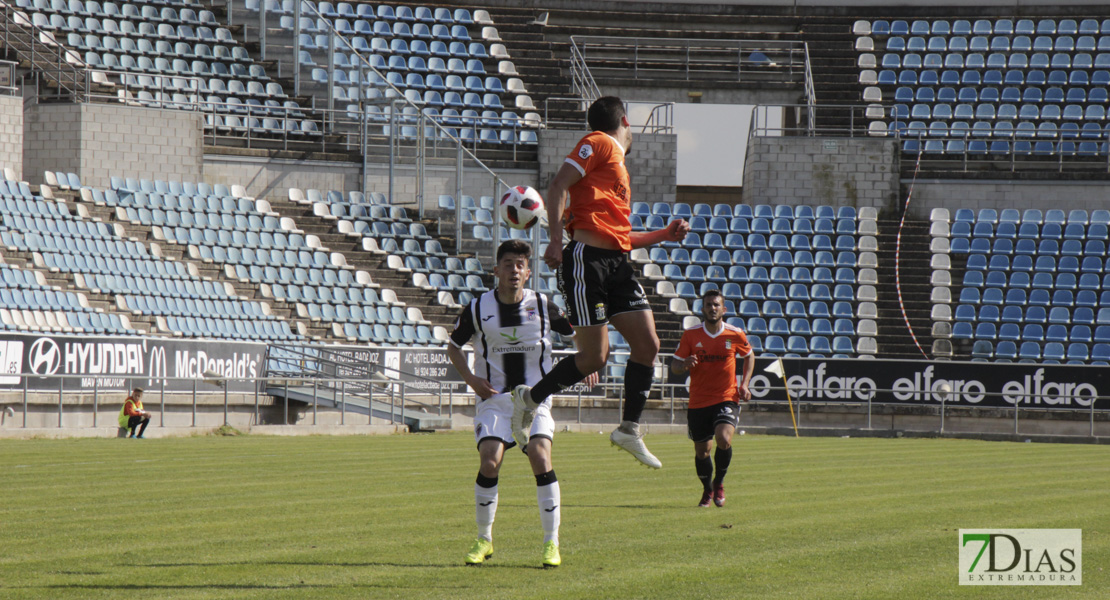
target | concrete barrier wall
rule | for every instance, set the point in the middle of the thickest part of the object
(813, 170)
(11, 133)
(97, 141)
(1000, 194)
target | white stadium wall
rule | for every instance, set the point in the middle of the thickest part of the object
(11, 133)
(834, 171)
(1000, 194)
(97, 141)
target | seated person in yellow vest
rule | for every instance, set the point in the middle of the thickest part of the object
(132, 415)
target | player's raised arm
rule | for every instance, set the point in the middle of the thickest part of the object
(675, 231)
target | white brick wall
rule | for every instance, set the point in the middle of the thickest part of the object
(97, 141)
(835, 171)
(11, 133)
(1065, 195)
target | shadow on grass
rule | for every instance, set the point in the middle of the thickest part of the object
(154, 586)
(361, 565)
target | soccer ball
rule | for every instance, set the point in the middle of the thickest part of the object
(521, 207)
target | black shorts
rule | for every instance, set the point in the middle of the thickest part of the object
(597, 284)
(701, 423)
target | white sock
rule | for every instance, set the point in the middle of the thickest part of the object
(549, 501)
(630, 427)
(485, 509)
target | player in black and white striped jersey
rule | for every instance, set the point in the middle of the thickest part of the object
(510, 329)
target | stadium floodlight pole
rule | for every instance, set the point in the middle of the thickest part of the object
(458, 193)
(496, 225)
(393, 139)
(776, 368)
(261, 28)
(296, 46)
(331, 78)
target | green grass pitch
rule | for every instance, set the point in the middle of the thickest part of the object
(392, 517)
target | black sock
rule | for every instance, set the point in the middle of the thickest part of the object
(637, 385)
(722, 456)
(486, 482)
(547, 478)
(564, 375)
(704, 468)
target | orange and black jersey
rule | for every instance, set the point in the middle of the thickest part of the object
(713, 379)
(602, 200)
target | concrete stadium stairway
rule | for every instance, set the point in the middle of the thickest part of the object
(894, 339)
(541, 63)
(375, 264)
(206, 271)
(833, 59)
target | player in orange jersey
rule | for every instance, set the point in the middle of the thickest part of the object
(708, 353)
(595, 277)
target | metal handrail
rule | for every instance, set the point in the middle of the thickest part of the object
(582, 81)
(794, 53)
(32, 43)
(859, 126)
(499, 185)
(811, 94)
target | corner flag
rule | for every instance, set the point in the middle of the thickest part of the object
(776, 369)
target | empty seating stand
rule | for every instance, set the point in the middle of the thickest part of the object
(1032, 88)
(794, 278)
(224, 227)
(438, 60)
(1035, 279)
(171, 55)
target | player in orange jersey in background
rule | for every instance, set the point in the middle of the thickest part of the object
(595, 277)
(708, 353)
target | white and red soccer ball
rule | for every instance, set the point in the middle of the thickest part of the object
(521, 207)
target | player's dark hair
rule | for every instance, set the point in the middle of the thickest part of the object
(711, 294)
(520, 247)
(605, 114)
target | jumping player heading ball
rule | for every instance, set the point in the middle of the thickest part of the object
(595, 276)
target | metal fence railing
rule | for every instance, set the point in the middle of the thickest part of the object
(742, 61)
(380, 400)
(956, 145)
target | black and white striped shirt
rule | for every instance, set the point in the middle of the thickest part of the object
(512, 342)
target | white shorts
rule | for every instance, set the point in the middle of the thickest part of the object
(493, 419)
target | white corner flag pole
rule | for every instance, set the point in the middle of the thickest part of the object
(776, 368)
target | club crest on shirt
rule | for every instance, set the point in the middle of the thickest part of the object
(728, 344)
(585, 151)
(531, 314)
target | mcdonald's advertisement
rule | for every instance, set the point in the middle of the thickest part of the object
(79, 363)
